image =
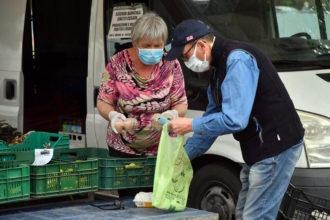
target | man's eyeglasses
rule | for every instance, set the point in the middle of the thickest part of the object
(184, 56)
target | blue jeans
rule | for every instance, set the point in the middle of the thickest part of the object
(264, 184)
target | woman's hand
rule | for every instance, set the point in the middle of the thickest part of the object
(114, 118)
(170, 114)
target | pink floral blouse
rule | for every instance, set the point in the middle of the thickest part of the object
(140, 98)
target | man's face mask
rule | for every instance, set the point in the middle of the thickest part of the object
(197, 65)
(150, 56)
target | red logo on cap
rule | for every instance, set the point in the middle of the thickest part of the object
(189, 38)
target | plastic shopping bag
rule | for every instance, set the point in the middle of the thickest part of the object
(173, 174)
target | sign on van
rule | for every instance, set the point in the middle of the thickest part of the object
(123, 19)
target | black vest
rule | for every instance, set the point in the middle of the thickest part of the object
(274, 124)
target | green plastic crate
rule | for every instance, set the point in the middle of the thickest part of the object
(14, 182)
(119, 173)
(36, 140)
(113, 173)
(3, 145)
(80, 153)
(64, 177)
(21, 157)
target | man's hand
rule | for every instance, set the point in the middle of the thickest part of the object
(181, 125)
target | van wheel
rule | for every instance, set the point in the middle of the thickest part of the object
(215, 188)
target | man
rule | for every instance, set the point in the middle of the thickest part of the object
(248, 99)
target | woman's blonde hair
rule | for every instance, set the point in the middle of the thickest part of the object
(149, 26)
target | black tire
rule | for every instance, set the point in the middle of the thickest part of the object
(215, 188)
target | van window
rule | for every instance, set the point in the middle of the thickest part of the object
(114, 45)
(303, 19)
(293, 33)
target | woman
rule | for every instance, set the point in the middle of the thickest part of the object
(138, 83)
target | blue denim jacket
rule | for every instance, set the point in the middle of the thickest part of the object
(238, 92)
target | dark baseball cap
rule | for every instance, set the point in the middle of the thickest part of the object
(185, 32)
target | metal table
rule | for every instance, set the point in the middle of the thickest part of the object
(88, 210)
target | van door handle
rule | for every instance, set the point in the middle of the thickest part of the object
(96, 93)
(10, 89)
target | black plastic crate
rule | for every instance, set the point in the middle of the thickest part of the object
(300, 206)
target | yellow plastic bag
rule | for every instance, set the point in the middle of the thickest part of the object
(173, 174)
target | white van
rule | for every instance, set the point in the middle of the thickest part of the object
(52, 55)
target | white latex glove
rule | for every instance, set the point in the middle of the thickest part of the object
(114, 116)
(170, 114)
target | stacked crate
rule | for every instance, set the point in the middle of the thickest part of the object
(19, 180)
(14, 182)
(115, 172)
(71, 171)
(63, 177)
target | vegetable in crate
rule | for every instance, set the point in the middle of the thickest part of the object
(19, 139)
(7, 132)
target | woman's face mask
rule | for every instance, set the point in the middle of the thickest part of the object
(197, 65)
(150, 56)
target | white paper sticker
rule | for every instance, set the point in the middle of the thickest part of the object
(122, 21)
(42, 156)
